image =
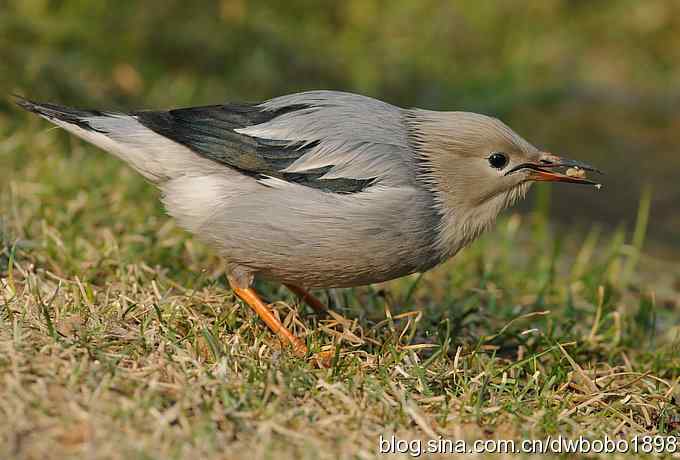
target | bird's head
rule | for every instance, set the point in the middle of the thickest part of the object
(477, 165)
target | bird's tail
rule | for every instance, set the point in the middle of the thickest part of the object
(156, 157)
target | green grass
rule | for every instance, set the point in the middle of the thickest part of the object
(120, 339)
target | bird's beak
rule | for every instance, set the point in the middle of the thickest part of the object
(551, 168)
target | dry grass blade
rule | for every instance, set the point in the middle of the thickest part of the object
(590, 384)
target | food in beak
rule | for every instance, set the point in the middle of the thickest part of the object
(576, 172)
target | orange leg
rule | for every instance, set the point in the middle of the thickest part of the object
(249, 296)
(308, 298)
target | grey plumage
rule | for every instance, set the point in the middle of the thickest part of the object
(357, 136)
(319, 189)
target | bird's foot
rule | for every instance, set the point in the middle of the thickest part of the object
(248, 295)
(322, 359)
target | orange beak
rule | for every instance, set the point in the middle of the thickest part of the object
(551, 168)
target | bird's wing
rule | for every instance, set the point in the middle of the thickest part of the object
(334, 141)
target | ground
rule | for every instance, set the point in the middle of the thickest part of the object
(119, 337)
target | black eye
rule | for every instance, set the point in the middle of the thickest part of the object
(498, 160)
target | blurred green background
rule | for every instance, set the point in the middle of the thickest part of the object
(594, 80)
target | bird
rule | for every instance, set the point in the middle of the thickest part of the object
(323, 189)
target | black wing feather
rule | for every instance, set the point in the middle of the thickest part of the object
(210, 132)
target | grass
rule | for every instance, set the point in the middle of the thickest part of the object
(119, 338)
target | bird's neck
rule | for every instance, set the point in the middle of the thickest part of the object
(461, 223)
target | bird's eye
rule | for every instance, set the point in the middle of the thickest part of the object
(498, 160)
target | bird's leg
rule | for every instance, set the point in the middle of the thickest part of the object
(249, 296)
(308, 298)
